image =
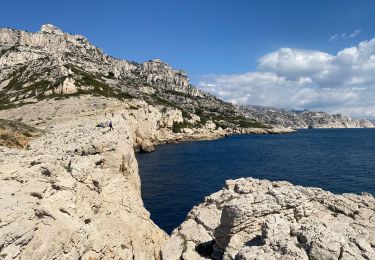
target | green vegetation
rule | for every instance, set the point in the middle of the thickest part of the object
(17, 126)
(88, 83)
(245, 122)
(18, 89)
(176, 127)
(186, 114)
(178, 93)
(156, 100)
(96, 86)
(7, 139)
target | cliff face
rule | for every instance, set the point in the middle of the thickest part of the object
(53, 64)
(56, 54)
(304, 119)
(258, 219)
(74, 192)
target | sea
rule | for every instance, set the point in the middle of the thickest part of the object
(177, 177)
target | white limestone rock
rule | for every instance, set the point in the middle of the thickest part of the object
(49, 28)
(259, 219)
(75, 192)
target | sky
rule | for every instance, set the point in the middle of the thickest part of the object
(294, 54)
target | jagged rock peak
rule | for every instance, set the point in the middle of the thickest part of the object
(157, 60)
(50, 28)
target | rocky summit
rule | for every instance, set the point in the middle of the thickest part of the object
(70, 187)
(52, 64)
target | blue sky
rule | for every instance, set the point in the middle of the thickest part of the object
(208, 39)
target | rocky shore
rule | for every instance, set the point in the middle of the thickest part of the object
(259, 219)
(75, 190)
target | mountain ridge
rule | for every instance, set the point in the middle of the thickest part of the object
(54, 64)
(51, 63)
(304, 118)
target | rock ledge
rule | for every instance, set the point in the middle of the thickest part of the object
(260, 219)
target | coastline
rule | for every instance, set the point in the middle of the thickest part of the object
(82, 181)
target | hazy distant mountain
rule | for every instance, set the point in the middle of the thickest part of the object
(303, 118)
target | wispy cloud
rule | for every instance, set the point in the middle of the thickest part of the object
(344, 35)
(305, 79)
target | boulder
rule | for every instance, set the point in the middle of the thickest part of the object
(147, 146)
(260, 219)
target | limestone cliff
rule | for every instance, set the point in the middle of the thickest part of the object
(304, 119)
(74, 192)
(52, 64)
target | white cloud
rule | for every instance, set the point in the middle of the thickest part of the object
(305, 79)
(344, 35)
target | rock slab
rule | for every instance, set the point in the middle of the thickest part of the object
(260, 219)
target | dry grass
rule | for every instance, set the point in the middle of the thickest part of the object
(16, 134)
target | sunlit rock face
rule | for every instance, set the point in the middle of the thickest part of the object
(259, 219)
(47, 54)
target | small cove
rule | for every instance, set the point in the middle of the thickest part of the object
(178, 176)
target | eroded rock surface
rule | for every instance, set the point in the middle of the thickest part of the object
(259, 219)
(75, 193)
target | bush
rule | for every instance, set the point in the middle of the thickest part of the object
(177, 126)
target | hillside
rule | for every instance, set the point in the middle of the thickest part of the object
(303, 119)
(52, 64)
(16, 134)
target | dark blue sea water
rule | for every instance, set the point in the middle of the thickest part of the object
(178, 176)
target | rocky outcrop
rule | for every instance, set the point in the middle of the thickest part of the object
(54, 51)
(54, 64)
(303, 119)
(259, 219)
(159, 73)
(49, 63)
(262, 131)
(75, 191)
